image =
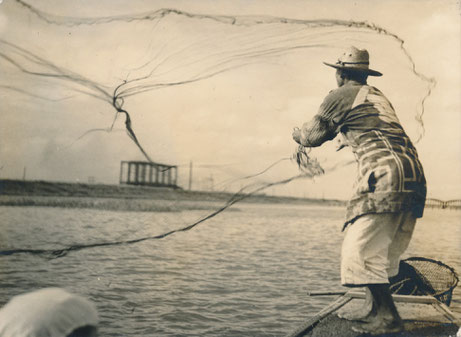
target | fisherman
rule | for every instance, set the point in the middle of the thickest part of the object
(390, 190)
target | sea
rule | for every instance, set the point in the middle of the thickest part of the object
(245, 272)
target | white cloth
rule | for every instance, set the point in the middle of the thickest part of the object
(49, 312)
(372, 247)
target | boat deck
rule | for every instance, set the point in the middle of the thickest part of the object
(420, 319)
(332, 326)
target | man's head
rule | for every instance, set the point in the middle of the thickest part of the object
(343, 76)
(353, 64)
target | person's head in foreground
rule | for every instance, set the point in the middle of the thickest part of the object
(49, 312)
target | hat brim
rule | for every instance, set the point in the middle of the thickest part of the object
(370, 72)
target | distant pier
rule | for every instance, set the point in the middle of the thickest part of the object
(436, 203)
(148, 174)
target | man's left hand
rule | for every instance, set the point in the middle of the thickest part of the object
(297, 135)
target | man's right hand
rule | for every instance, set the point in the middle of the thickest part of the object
(296, 135)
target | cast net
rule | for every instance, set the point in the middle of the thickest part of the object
(160, 74)
(424, 276)
(124, 72)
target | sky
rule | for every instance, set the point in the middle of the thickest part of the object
(261, 80)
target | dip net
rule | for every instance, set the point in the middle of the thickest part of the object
(420, 276)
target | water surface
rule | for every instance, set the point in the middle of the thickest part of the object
(243, 273)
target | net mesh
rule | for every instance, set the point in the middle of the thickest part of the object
(151, 56)
(423, 276)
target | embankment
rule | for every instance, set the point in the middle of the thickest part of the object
(127, 197)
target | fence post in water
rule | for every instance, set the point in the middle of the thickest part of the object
(190, 175)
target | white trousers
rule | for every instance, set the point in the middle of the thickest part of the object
(372, 247)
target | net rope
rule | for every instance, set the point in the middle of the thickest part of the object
(309, 167)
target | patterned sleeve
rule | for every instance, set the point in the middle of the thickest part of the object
(324, 125)
(315, 132)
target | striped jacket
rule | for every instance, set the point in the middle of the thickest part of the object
(390, 176)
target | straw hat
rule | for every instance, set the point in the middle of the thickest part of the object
(355, 59)
(49, 312)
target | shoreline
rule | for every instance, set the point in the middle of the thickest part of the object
(130, 197)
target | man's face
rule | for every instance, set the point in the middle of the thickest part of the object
(339, 79)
